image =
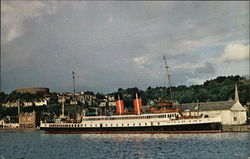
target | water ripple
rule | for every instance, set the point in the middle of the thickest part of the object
(37, 145)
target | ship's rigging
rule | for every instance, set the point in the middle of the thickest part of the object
(169, 82)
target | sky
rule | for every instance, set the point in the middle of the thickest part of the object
(111, 44)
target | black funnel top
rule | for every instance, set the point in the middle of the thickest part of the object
(139, 95)
(118, 97)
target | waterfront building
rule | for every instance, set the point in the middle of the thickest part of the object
(28, 120)
(231, 112)
(3, 124)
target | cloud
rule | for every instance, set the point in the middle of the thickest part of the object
(235, 52)
(141, 61)
(206, 70)
(14, 14)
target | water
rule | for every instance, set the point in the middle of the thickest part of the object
(37, 145)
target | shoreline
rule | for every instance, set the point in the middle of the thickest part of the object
(225, 128)
(19, 129)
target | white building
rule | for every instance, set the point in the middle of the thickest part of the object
(231, 112)
(103, 103)
(28, 104)
(41, 103)
(12, 104)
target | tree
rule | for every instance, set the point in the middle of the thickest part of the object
(2, 97)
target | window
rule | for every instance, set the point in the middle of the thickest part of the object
(235, 118)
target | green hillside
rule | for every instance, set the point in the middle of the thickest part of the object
(220, 89)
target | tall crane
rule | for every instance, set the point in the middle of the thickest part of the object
(169, 82)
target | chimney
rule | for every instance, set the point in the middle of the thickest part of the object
(137, 103)
(119, 104)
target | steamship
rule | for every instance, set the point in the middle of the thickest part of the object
(161, 119)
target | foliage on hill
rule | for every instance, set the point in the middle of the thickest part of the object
(220, 89)
(14, 96)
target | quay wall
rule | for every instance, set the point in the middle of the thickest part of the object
(19, 129)
(235, 128)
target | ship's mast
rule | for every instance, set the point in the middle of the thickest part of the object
(73, 75)
(169, 82)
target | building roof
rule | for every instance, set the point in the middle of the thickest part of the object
(206, 106)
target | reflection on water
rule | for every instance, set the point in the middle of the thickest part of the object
(36, 144)
(205, 136)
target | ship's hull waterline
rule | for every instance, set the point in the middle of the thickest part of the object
(187, 128)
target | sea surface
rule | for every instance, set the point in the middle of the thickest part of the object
(37, 145)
